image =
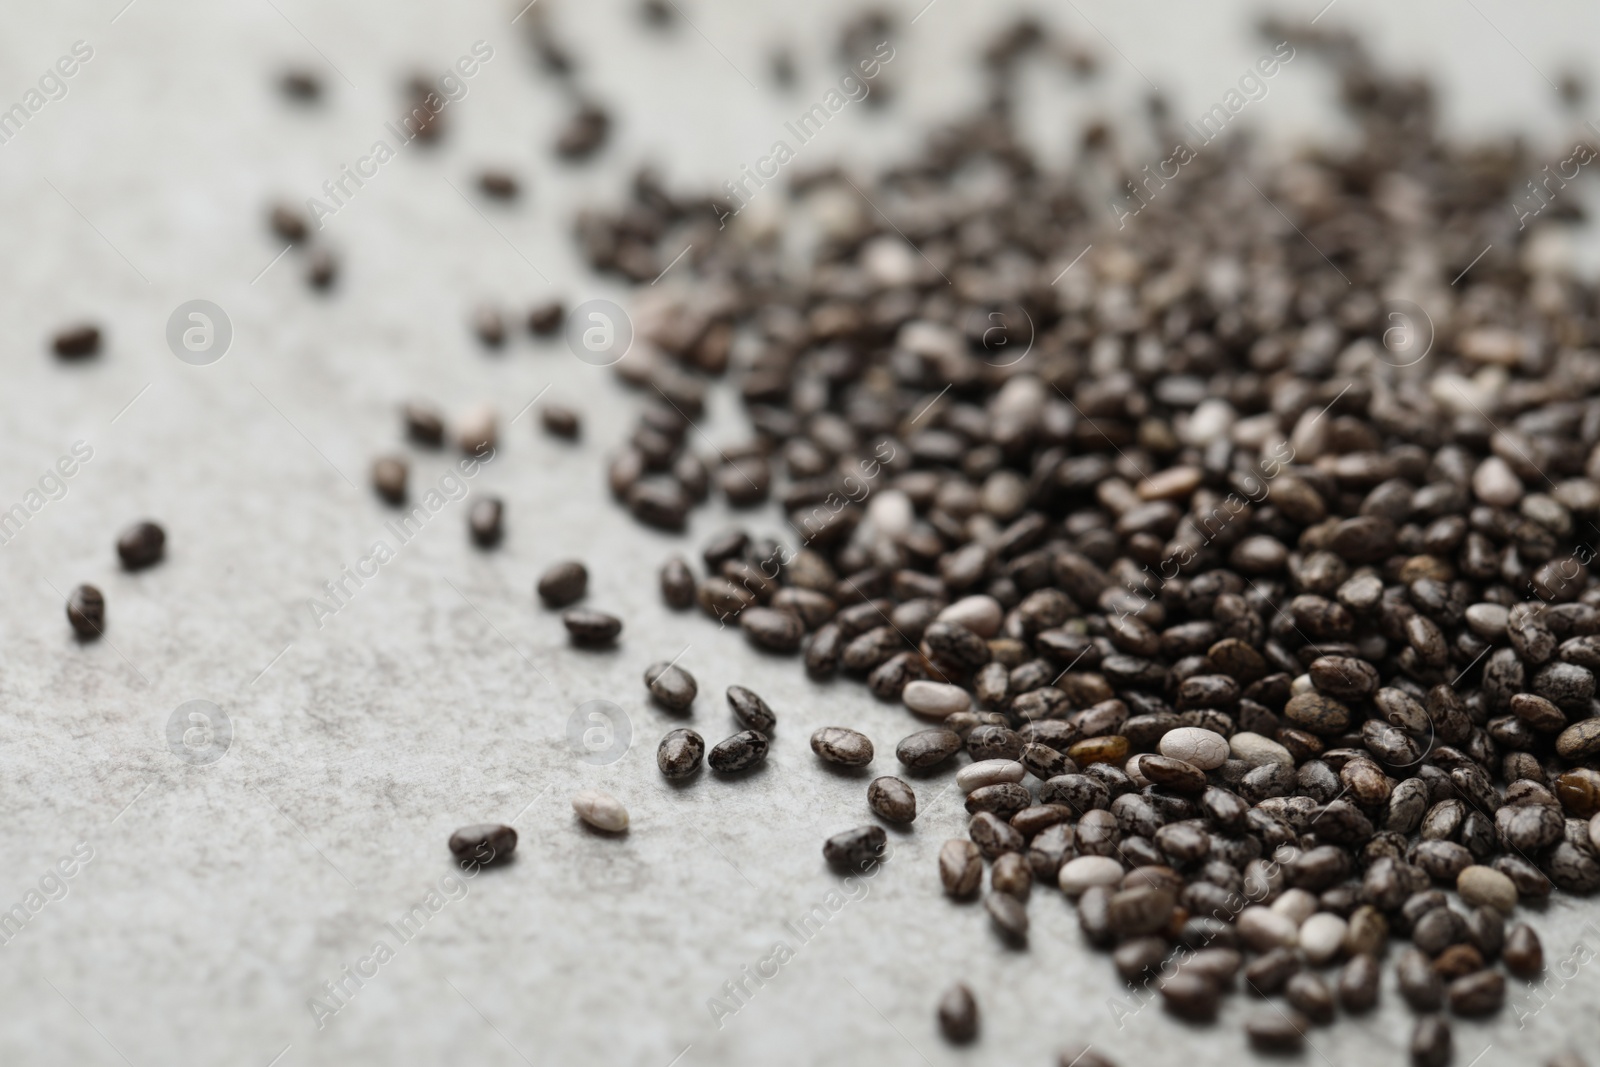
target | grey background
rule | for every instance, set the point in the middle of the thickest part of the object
(220, 897)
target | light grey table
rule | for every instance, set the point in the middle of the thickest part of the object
(217, 899)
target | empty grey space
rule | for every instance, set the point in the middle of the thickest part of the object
(220, 898)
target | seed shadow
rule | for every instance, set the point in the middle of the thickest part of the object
(924, 774)
(688, 780)
(1012, 944)
(839, 770)
(596, 832)
(611, 648)
(748, 772)
(497, 862)
(771, 654)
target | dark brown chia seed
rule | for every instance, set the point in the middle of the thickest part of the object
(993, 742)
(590, 627)
(584, 133)
(1458, 961)
(1477, 994)
(740, 752)
(1523, 953)
(483, 844)
(661, 504)
(1268, 973)
(1276, 1030)
(1094, 917)
(857, 849)
(822, 651)
(680, 753)
(1430, 1042)
(426, 123)
(389, 479)
(1419, 983)
(499, 184)
(77, 342)
(892, 800)
(1011, 874)
(775, 631)
(424, 425)
(1140, 910)
(927, 748)
(545, 320)
(960, 867)
(1486, 930)
(141, 545)
(1031, 821)
(1437, 930)
(751, 711)
(561, 421)
(958, 1014)
(484, 521)
(301, 86)
(658, 14)
(1358, 984)
(1009, 917)
(677, 584)
(993, 835)
(673, 687)
(563, 583)
(624, 472)
(86, 611)
(322, 268)
(288, 223)
(1003, 799)
(1310, 995)
(1138, 958)
(846, 747)
(1191, 996)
